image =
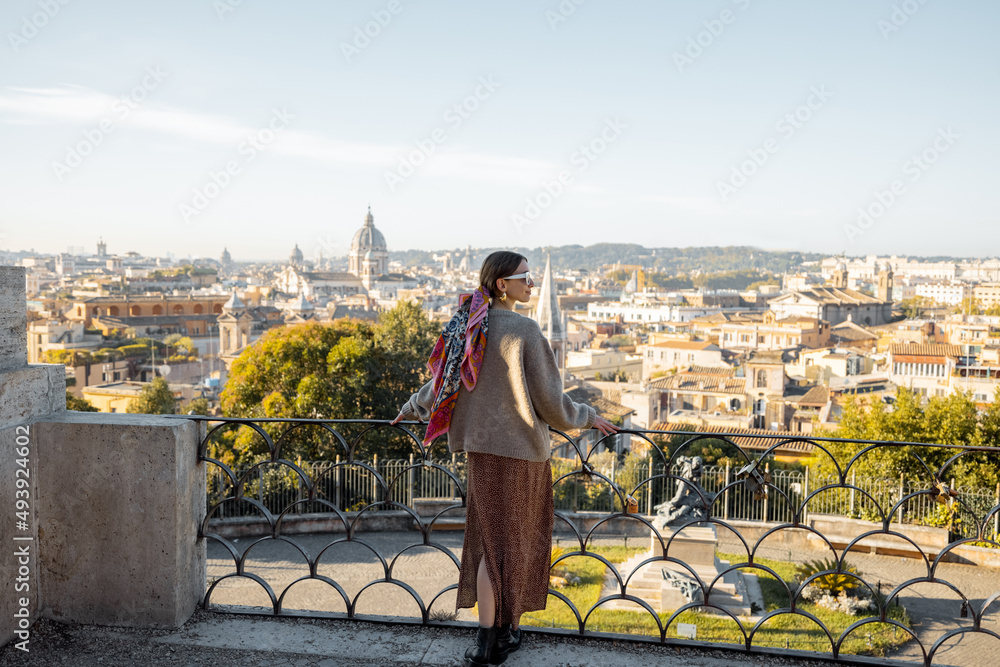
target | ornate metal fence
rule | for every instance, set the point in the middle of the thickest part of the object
(751, 505)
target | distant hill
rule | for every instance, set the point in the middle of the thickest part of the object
(708, 259)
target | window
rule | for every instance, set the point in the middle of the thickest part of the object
(762, 378)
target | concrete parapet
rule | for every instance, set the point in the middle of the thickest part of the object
(307, 524)
(27, 393)
(19, 562)
(13, 318)
(120, 499)
(31, 392)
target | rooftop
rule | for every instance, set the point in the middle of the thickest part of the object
(925, 350)
(686, 345)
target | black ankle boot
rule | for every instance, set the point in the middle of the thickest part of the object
(508, 641)
(479, 654)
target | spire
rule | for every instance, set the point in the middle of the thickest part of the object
(234, 303)
(632, 285)
(547, 315)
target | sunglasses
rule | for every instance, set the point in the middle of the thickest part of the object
(526, 275)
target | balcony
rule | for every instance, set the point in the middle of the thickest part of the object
(132, 524)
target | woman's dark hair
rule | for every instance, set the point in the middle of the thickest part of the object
(499, 264)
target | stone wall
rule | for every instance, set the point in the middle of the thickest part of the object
(112, 503)
(27, 393)
(117, 529)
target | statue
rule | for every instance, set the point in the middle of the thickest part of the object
(685, 583)
(686, 505)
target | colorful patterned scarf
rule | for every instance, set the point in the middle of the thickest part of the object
(457, 358)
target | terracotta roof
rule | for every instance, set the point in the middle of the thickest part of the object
(335, 276)
(849, 331)
(722, 318)
(685, 344)
(925, 350)
(817, 396)
(829, 295)
(712, 370)
(701, 382)
(594, 398)
(748, 438)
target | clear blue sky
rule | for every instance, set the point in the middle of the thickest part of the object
(674, 130)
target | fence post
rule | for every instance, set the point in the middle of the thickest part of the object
(805, 494)
(649, 488)
(996, 517)
(767, 469)
(454, 471)
(614, 458)
(338, 488)
(412, 480)
(902, 492)
(850, 507)
(725, 499)
(374, 478)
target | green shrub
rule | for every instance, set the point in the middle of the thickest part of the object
(835, 583)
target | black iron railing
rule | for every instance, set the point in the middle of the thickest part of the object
(286, 518)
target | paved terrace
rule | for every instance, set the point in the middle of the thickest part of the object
(226, 640)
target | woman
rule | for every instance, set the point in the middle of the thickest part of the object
(495, 391)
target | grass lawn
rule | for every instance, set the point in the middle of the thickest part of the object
(787, 630)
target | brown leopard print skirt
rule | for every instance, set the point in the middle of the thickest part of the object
(509, 521)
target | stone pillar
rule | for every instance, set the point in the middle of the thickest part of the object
(120, 500)
(26, 393)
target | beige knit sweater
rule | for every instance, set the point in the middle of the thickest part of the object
(518, 395)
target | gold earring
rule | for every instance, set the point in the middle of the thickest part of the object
(503, 297)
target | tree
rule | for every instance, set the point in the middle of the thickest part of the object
(347, 369)
(197, 406)
(950, 420)
(66, 357)
(914, 307)
(969, 306)
(79, 404)
(155, 398)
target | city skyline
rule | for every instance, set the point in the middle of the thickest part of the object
(862, 128)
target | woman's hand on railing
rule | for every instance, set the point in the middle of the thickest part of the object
(604, 426)
(400, 417)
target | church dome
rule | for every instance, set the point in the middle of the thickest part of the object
(296, 257)
(368, 238)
